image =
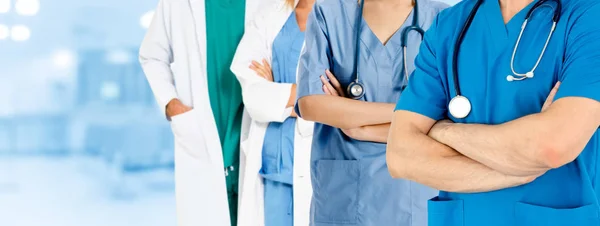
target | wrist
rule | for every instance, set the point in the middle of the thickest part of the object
(439, 130)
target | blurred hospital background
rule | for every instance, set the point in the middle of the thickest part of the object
(81, 139)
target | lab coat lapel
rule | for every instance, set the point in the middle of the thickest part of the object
(198, 79)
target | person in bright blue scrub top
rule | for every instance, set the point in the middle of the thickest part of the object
(525, 153)
(265, 64)
(351, 183)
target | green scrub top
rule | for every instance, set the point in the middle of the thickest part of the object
(224, 30)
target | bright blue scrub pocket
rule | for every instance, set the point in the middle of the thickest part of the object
(336, 191)
(531, 215)
(445, 212)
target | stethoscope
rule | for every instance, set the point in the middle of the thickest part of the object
(459, 105)
(356, 89)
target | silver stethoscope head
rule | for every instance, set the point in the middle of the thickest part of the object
(460, 106)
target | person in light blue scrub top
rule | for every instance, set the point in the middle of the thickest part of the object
(278, 147)
(351, 183)
(527, 154)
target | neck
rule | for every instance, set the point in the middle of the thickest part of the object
(514, 5)
(305, 3)
(402, 2)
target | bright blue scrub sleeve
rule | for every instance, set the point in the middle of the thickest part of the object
(425, 93)
(314, 59)
(580, 75)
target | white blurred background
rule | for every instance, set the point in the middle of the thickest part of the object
(81, 140)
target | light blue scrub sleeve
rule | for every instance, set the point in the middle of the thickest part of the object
(581, 71)
(425, 93)
(315, 58)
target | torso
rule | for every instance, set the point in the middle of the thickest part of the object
(385, 19)
(483, 65)
(341, 166)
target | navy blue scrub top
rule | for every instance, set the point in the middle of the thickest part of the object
(564, 196)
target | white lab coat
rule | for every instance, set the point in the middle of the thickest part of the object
(173, 56)
(266, 102)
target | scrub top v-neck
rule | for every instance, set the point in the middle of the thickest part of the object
(351, 183)
(562, 196)
(278, 146)
(224, 30)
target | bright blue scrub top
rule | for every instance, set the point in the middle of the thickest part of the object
(564, 196)
(278, 147)
(351, 182)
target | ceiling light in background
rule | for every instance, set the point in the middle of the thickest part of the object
(20, 33)
(146, 19)
(4, 6)
(27, 7)
(64, 59)
(4, 32)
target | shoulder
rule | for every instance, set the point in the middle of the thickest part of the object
(432, 6)
(448, 19)
(269, 10)
(572, 10)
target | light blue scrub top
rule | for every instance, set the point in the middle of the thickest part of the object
(278, 147)
(351, 182)
(564, 196)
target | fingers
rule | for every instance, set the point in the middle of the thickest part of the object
(326, 90)
(266, 64)
(333, 80)
(258, 68)
(328, 86)
(550, 97)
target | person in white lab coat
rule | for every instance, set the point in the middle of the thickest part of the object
(186, 56)
(275, 183)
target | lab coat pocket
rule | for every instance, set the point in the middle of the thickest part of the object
(188, 136)
(445, 212)
(532, 215)
(335, 196)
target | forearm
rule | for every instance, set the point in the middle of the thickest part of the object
(419, 158)
(344, 113)
(508, 148)
(376, 133)
(292, 101)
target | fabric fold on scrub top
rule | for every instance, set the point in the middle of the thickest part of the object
(351, 182)
(224, 30)
(564, 196)
(278, 147)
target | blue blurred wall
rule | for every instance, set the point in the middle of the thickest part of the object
(81, 139)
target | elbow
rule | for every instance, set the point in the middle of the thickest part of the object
(553, 155)
(396, 160)
(306, 107)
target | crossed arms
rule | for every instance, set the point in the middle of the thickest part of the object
(468, 158)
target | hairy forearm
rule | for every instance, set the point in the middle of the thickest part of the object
(508, 148)
(418, 157)
(344, 113)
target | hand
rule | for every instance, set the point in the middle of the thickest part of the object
(438, 128)
(263, 70)
(333, 86)
(550, 97)
(175, 107)
(354, 133)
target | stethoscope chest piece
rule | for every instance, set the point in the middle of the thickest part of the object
(355, 90)
(459, 107)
